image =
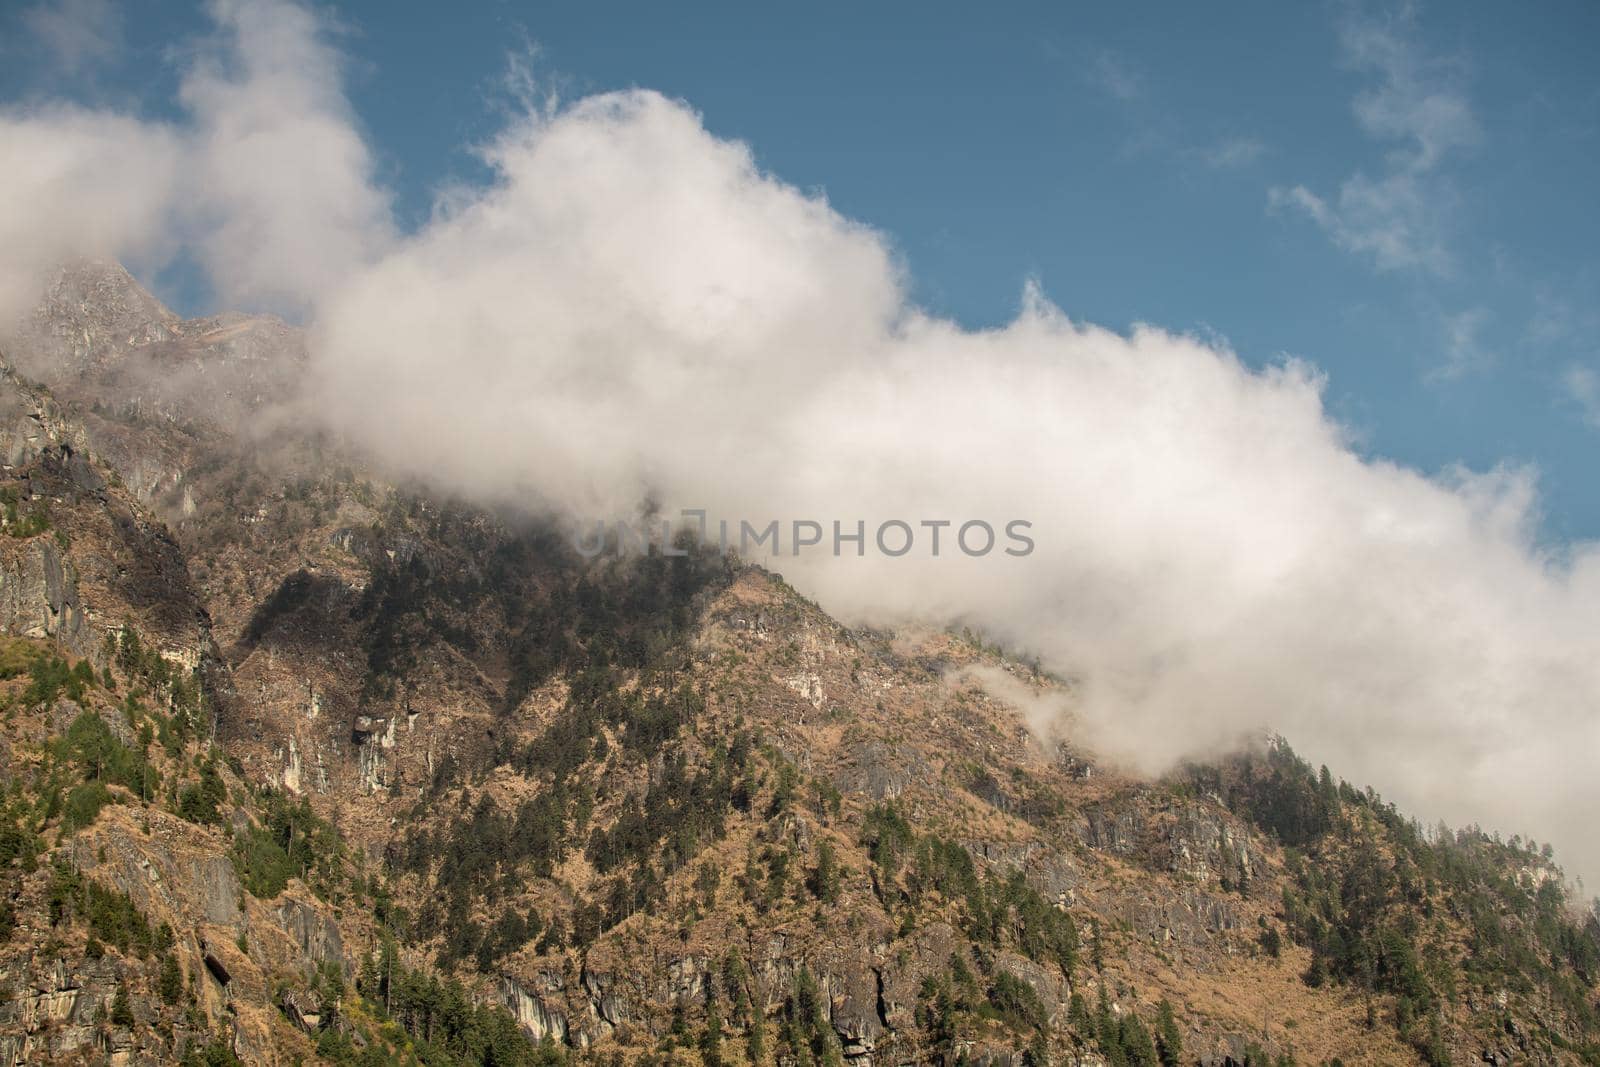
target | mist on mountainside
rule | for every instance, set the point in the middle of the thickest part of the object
(632, 309)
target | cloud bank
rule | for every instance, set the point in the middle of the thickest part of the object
(80, 182)
(267, 183)
(632, 308)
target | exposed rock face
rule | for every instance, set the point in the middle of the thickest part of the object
(880, 771)
(1208, 848)
(531, 1010)
(927, 953)
(55, 1013)
(304, 1009)
(90, 314)
(44, 583)
(855, 1000)
(372, 737)
(39, 595)
(1115, 830)
(172, 871)
(314, 931)
(1043, 867)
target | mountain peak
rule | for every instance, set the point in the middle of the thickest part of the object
(91, 311)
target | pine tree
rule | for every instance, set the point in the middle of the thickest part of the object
(711, 1039)
(170, 982)
(825, 877)
(735, 980)
(1317, 973)
(1138, 1049)
(756, 1037)
(1078, 1020)
(121, 1009)
(1169, 1041)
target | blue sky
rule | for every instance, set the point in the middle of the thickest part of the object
(1404, 197)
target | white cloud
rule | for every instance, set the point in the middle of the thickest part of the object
(1233, 152)
(1402, 217)
(76, 32)
(1157, 131)
(281, 180)
(80, 183)
(1397, 221)
(1417, 100)
(1583, 385)
(1465, 351)
(632, 307)
(1113, 75)
(268, 180)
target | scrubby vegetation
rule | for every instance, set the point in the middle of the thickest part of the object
(915, 870)
(92, 753)
(446, 1027)
(561, 614)
(1417, 919)
(627, 703)
(648, 840)
(673, 807)
(288, 840)
(22, 520)
(111, 917)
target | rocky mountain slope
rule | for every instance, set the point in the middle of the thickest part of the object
(302, 765)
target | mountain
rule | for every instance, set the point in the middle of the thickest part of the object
(301, 765)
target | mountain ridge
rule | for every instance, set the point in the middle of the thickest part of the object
(418, 781)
